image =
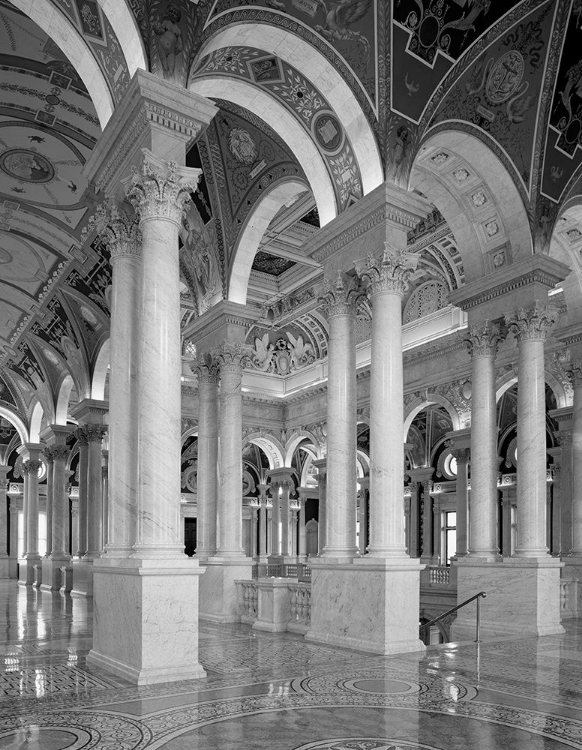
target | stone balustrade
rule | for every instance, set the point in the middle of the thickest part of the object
(275, 604)
(249, 596)
(568, 597)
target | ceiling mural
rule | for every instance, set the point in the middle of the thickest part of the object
(93, 25)
(428, 36)
(500, 92)
(297, 95)
(563, 152)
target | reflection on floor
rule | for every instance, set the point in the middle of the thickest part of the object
(277, 692)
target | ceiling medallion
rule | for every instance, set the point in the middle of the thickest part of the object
(26, 165)
(242, 146)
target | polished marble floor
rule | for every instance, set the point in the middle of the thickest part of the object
(277, 692)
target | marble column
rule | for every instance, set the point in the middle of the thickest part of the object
(437, 531)
(506, 550)
(387, 276)
(294, 506)
(263, 522)
(575, 373)
(285, 510)
(530, 327)
(229, 510)
(159, 192)
(13, 555)
(270, 527)
(119, 229)
(482, 341)
(59, 556)
(427, 555)
(207, 372)
(31, 453)
(254, 535)
(94, 434)
(321, 466)
(275, 521)
(462, 456)
(281, 485)
(4, 523)
(105, 495)
(364, 483)
(74, 523)
(340, 297)
(414, 531)
(48, 457)
(302, 551)
(82, 504)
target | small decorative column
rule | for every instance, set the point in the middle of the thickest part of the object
(275, 522)
(207, 373)
(427, 521)
(321, 466)
(437, 531)
(94, 434)
(263, 522)
(571, 447)
(254, 525)
(4, 523)
(281, 484)
(32, 464)
(530, 327)
(294, 506)
(74, 523)
(340, 296)
(120, 231)
(302, 551)
(482, 341)
(105, 495)
(82, 504)
(285, 512)
(460, 441)
(269, 527)
(364, 483)
(414, 531)
(506, 550)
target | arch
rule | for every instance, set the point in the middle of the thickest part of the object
(100, 371)
(565, 246)
(475, 193)
(421, 403)
(294, 442)
(36, 423)
(188, 433)
(281, 121)
(252, 233)
(17, 422)
(270, 446)
(62, 409)
(62, 32)
(127, 32)
(322, 74)
(504, 383)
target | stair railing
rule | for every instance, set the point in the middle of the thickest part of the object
(449, 612)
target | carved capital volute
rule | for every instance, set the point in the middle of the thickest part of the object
(340, 295)
(389, 272)
(161, 189)
(533, 323)
(482, 340)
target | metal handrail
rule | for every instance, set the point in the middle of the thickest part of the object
(478, 597)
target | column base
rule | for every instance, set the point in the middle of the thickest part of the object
(52, 577)
(218, 591)
(146, 619)
(523, 597)
(370, 605)
(28, 570)
(82, 577)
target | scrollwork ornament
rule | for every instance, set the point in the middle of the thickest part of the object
(116, 227)
(161, 189)
(482, 340)
(340, 295)
(533, 323)
(389, 273)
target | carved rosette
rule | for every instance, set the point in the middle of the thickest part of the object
(340, 295)
(389, 273)
(33, 466)
(574, 373)
(482, 340)
(206, 369)
(117, 228)
(61, 452)
(533, 323)
(161, 189)
(231, 357)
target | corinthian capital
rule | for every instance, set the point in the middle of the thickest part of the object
(482, 340)
(118, 228)
(533, 323)
(389, 272)
(340, 295)
(205, 368)
(231, 357)
(161, 189)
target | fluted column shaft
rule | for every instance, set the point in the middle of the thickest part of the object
(82, 506)
(462, 456)
(482, 341)
(48, 454)
(159, 192)
(121, 233)
(530, 328)
(340, 298)
(388, 275)
(94, 434)
(60, 514)
(576, 378)
(229, 510)
(207, 372)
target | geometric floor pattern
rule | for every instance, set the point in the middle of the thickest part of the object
(266, 691)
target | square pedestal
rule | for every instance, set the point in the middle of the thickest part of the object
(218, 590)
(51, 572)
(274, 610)
(369, 605)
(523, 597)
(82, 577)
(145, 619)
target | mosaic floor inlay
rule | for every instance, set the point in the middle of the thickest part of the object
(277, 692)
